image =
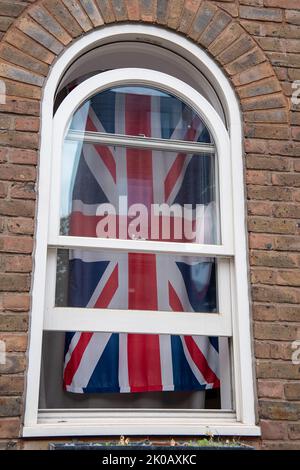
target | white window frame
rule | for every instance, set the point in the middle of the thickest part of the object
(229, 322)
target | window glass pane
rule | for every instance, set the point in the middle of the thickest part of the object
(136, 281)
(131, 193)
(118, 370)
(140, 111)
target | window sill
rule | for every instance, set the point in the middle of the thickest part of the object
(132, 422)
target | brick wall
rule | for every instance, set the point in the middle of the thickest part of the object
(257, 43)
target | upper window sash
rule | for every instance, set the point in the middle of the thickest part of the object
(167, 83)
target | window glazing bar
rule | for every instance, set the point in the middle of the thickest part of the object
(140, 142)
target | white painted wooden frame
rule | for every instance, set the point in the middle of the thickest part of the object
(88, 422)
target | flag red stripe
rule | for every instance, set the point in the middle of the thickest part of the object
(200, 360)
(144, 369)
(109, 290)
(76, 356)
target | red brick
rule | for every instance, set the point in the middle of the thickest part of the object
(12, 244)
(23, 157)
(17, 207)
(9, 427)
(262, 14)
(274, 430)
(292, 391)
(174, 13)
(93, 13)
(270, 389)
(30, 46)
(16, 172)
(17, 263)
(133, 11)
(14, 282)
(23, 190)
(225, 39)
(275, 331)
(292, 4)
(16, 302)
(189, 20)
(12, 322)
(11, 384)
(120, 11)
(107, 11)
(14, 342)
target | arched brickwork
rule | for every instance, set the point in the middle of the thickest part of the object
(37, 33)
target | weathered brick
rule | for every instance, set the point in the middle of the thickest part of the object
(271, 193)
(14, 342)
(267, 131)
(225, 39)
(273, 259)
(293, 4)
(294, 431)
(147, 10)
(213, 30)
(292, 391)
(270, 389)
(22, 157)
(273, 100)
(16, 302)
(27, 124)
(274, 430)
(19, 244)
(37, 33)
(174, 13)
(11, 172)
(21, 106)
(14, 364)
(262, 87)
(262, 14)
(11, 8)
(205, 21)
(19, 225)
(19, 74)
(17, 208)
(133, 11)
(41, 16)
(92, 12)
(292, 16)
(189, 19)
(267, 369)
(11, 384)
(30, 46)
(258, 177)
(107, 12)
(259, 162)
(120, 10)
(255, 56)
(279, 410)
(13, 322)
(9, 427)
(15, 56)
(242, 45)
(271, 116)
(23, 190)
(5, 23)
(17, 263)
(79, 14)
(161, 11)
(274, 331)
(286, 179)
(14, 282)
(23, 90)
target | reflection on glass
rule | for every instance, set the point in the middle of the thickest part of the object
(136, 281)
(140, 111)
(130, 193)
(140, 193)
(118, 370)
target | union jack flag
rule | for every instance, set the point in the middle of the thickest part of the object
(119, 362)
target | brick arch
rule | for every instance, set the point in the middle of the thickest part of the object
(41, 32)
(35, 37)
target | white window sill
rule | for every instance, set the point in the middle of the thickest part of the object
(132, 422)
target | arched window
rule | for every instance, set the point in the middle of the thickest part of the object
(139, 286)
